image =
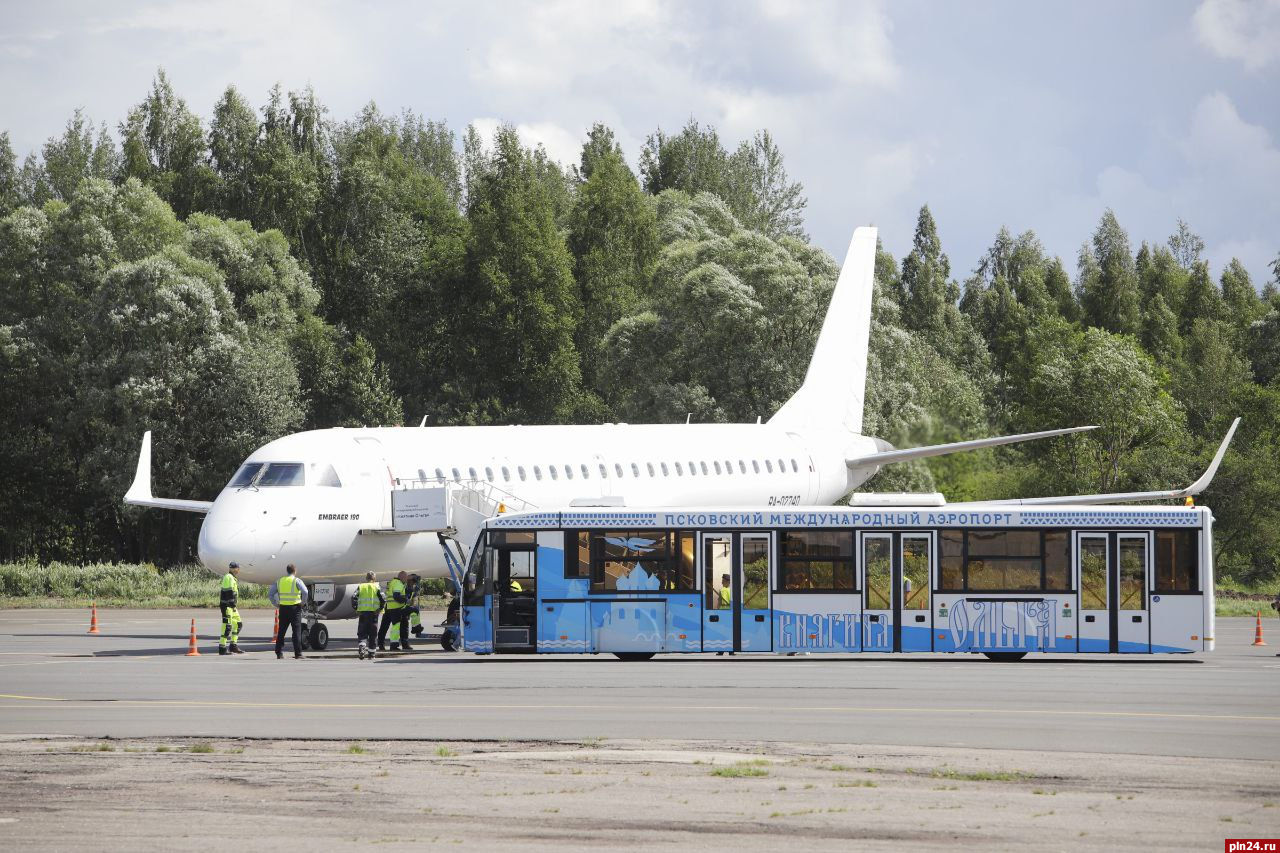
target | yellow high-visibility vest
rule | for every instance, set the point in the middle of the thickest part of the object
(393, 586)
(288, 591)
(368, 599)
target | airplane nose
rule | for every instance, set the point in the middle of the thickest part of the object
(225, 538)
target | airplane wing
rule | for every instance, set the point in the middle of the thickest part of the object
(139, 493)
(1127, 497)
(888, 456)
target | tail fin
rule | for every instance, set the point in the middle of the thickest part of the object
(835, 386)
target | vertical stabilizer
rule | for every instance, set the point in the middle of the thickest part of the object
(835, 386)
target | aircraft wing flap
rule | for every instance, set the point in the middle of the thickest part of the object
(889, 456)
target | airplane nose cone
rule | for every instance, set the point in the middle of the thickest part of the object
(225, 538)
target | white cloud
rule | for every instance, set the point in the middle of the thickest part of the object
(1244, 30)
(560, 144)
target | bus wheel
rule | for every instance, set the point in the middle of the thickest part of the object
(1005, 657)
(318, 637)
(447, 641)
(633, 655)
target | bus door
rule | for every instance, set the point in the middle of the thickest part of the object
(736, 572)
(896, 576)
(1113, 570)
(514, 616)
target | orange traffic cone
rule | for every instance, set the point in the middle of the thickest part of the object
(275, 626)
(93, 618)
(192, 651)
(1257, 630)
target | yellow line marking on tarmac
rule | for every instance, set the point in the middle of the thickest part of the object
(550, 707)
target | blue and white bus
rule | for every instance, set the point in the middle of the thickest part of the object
(991, 579)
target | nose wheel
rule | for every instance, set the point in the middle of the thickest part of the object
(318, 637)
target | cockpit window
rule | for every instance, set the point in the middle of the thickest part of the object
(244, 477)
(264, 474)
(281, 474)
(329, 477)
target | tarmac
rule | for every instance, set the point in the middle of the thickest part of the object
(134, 680)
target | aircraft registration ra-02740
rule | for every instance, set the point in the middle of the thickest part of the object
(322, 499)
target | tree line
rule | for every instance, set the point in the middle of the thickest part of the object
(273, 269)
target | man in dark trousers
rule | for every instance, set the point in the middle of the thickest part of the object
(397, 611)
(289, 593)
(367, 601)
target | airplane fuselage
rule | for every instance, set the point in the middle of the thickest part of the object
(323, 521)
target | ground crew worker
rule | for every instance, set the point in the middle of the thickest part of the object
(412, 592)
(228, 599)
(289, 593)
(396, 612)
(368, 600)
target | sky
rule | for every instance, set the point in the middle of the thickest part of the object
(1025, 115)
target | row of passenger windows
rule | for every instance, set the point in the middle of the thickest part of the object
(824, 560)
(620, 471)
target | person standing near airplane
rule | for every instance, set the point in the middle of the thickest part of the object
(368, 600)
(289, 593)
(228, 598)
(397, 611)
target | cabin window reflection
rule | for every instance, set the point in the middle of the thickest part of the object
(586, 472)
(817, 561)
(641, 561)
(635, 469)
(520, 471)
(506, 474)
(663, 466)
(768, 465)
(1177, 561)
(537, 472)
(717, 464)
(604, 472)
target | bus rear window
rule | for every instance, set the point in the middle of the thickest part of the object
(1177, 561)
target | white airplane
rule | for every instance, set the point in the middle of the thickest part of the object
(322, 499)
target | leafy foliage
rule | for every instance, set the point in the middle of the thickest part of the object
(279, 269)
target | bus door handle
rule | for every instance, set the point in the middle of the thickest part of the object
(1088, 618)
(875, 617)
(713, 618)
(919, 617)
(759, 618)
(1137, 618)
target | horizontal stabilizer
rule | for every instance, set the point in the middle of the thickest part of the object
(1128, 497)
(889, 456)
(139, 493)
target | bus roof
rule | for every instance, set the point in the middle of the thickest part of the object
(969, 515)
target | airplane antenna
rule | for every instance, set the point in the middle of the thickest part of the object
(424, 421)
(757, 420)
(688, 419)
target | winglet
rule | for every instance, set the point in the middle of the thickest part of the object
(889, 456)
(141, 488)
(1207, 477)
(139, 493)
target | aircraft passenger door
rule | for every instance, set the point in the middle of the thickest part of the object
(375, 478)
(754, 616)
(719, 595)
(896, 581)
(1132, 568)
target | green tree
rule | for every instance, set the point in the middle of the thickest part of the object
(1160, 335)
(1108, 283)
(1240, 298)
(1094, 377)
(9, 186)
(1186, 246)
(1202, 300)
(1209, 376)
(164, 147)
(691, 161)
(342, 381)
(761, 193)
(233, 142)
(516, 360)
(614, 241)
(717, 288)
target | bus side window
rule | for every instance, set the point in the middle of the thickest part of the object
(1177, 561)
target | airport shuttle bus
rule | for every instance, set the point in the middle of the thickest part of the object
(981, 578)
